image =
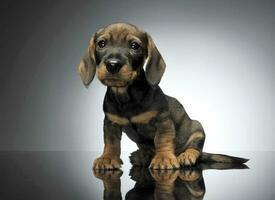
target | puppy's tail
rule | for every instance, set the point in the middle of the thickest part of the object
(220, 158)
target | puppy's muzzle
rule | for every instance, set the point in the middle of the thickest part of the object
(113, 65)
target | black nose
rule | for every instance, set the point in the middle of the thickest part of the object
(113, 65)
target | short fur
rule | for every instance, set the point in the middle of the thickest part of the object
(134, 103)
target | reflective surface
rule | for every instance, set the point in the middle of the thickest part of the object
(69, 175)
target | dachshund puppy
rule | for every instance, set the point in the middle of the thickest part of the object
(126, 60)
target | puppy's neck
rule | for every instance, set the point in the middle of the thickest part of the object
(119, 90)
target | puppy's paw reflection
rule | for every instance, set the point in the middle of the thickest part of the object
(164, 183)
(190, 184)
(181, 184)
(107, 175)
(111, 182)
(164, 176)
(190, 174)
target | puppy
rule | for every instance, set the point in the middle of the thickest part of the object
(127, 61)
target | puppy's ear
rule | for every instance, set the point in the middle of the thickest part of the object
(87, 65)
(155, 65)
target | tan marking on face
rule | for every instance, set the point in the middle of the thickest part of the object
(144, 118)
(105, 36)
(101, 72)
(125, 72)
(123, 78)
(195, 136)
(117, 119)
(131, 37)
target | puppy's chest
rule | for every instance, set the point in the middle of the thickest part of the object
(142, 118)
(136, 126)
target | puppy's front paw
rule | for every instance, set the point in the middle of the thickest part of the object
(105, 162)
(164, 161)
(189, 157)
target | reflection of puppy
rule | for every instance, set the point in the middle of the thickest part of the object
(183, 184)
(135, 104)
(164, 184)
(186, 183)
(111, 182)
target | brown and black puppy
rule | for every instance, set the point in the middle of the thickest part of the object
(127, 61)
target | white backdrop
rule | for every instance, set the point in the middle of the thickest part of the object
(220, 65)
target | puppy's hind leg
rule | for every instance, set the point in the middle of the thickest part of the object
(193, 146)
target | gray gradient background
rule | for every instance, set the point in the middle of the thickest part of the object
(220, 58)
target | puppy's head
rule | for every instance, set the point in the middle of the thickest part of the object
(118, 53)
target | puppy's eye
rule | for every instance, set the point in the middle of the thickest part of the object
(134, 45)
(101, 43)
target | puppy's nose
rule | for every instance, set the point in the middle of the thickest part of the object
(113, 65)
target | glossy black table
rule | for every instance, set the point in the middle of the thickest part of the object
(69, 175)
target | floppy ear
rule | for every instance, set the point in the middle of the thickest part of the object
(155, 65)
(87, 65)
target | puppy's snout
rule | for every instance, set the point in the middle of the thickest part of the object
(113, 65)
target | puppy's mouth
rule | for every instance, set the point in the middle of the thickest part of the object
(120, 79)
